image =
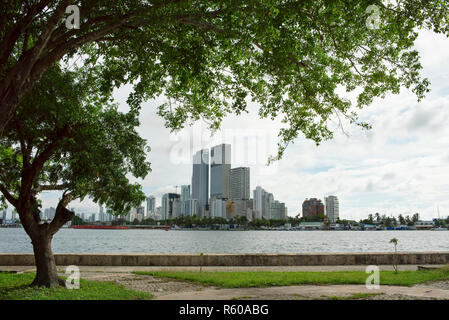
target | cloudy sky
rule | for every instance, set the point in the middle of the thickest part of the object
(399, 166)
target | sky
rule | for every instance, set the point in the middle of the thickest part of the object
(400, 166)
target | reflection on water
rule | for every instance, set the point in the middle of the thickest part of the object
(160, 241)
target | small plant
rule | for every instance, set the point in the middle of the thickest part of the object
(201, 261)
(394, 241)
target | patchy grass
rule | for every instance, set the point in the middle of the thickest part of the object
(268, 279)
(15, 286)
(242, 297)
(356, 296)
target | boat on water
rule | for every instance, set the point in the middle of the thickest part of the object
(100, 227)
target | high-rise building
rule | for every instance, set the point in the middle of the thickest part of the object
(312, 207)
(262, 202)
(167, 205)
(200, 180)
(220, 167)
(332, 208)
(185, 193)
(158, 214)
(102, 216)
(109, 215)
(151, 206)
(50, 213)
(239, 208)
(218, 208)
(239, 180)
(4, 217)
(189, 207)
(278, 210)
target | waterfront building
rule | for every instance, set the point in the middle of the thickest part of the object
(239, 208)
(239, 183)
(177, 208)
(424, 225)
(278, 210)
(102, 216)
(167, 205)
(49, 213)
(310, 226)
(220, 166)
(312, 207)
(158, 214)
(262, 202)
(109, 215)
(200, 180)
(185, 193)
(151, 206)
(218, 208)
(140, 213)
(189, 207)
(332, 208)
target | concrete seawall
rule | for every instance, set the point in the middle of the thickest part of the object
(255, 259)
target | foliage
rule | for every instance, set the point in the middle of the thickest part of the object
(77, 221)
(66, 136)
(296, 59)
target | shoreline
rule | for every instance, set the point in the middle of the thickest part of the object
(237, 259)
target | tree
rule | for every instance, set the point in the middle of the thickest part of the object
(210, 57)
(77, 221)
(65, 136)
(415, 217)
(395, 241)
(377, 215)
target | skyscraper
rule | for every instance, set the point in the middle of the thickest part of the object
(262, 202)
(239, 183)
(102, 216)
(189, 207)
(200, 180)
(151, 206)
(4, 217)
(51, 213)
(332, 208)
(278, 210)
(185, 193)
(220, 167)
(167, 205)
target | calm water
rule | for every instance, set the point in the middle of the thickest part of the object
(160, 241)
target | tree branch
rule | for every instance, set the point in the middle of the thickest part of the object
(54, 187)
(8, 196)
(62, 214)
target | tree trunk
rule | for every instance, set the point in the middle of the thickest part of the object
(46, 272)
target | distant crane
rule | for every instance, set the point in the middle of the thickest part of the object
(176, 189)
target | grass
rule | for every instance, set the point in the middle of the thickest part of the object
(15, 286)
(268, 279)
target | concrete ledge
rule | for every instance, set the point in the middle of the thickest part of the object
(215, 259)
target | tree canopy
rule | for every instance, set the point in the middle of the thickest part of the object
(296, 59)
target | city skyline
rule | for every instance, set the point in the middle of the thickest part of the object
(400, 166)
